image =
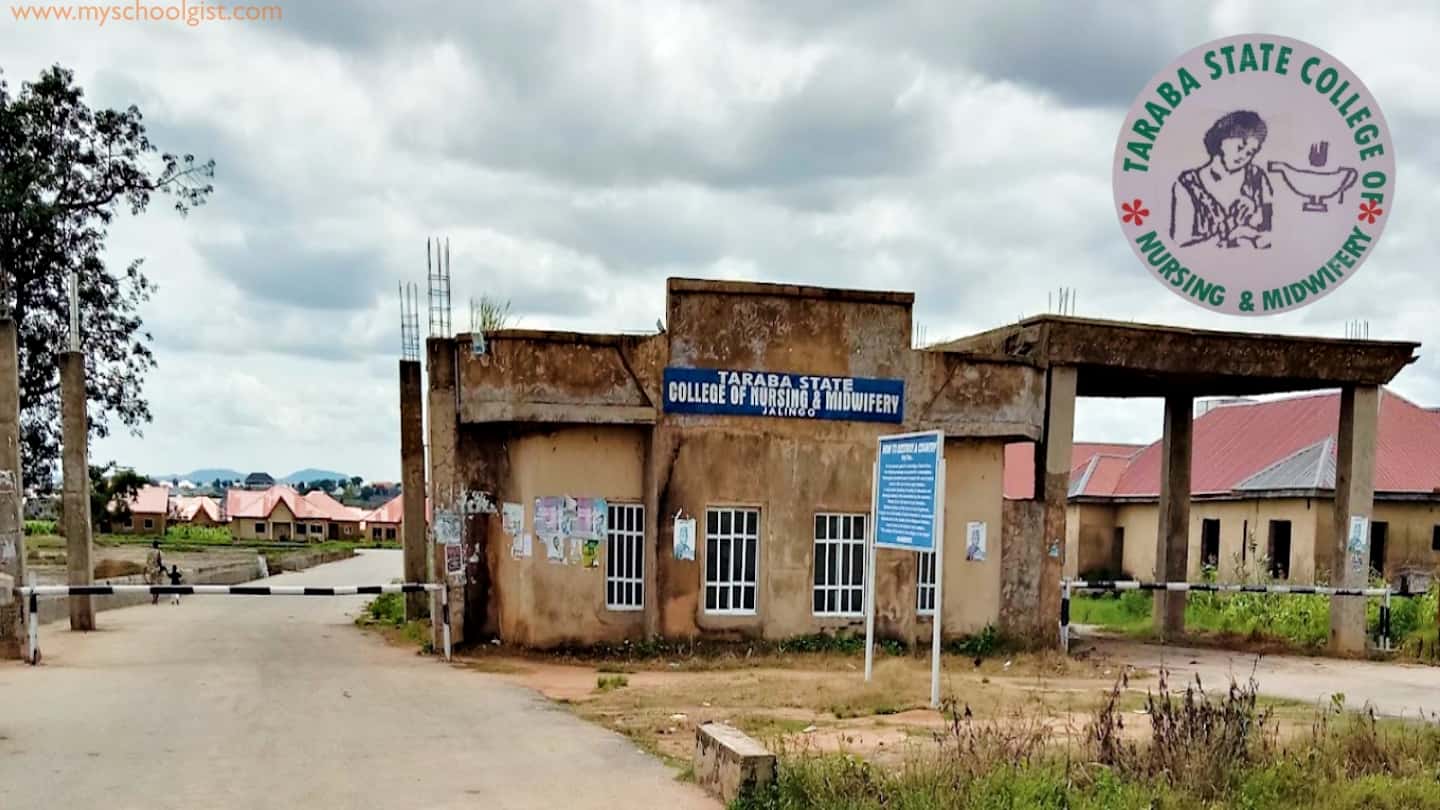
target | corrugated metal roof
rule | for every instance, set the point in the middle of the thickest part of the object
(1019, 482)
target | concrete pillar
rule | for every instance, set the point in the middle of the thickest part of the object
(1354, 498)
(1054, 491)
(446, 486)
(12, 492)
(412, 484)
(75, 491)
(655, 523)
(1172, 535)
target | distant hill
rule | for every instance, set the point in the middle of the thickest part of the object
(204, 476)
(311, 474)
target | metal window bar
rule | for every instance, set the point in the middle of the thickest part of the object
(925, 583)
(732, 545)
(839, 582)
(625, 557)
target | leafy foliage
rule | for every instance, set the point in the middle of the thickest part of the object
(39, 527)
(111, 491)
(66, 170)
(190, 533)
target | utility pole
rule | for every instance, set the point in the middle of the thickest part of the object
(12, 490)
(75, 469)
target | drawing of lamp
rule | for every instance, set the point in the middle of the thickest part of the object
(1315, 187)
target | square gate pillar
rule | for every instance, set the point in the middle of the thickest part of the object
(1354, 500)
(1172, 536)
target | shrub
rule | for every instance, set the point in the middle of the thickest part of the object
(605, 683)
(39, 527)
(191, 533)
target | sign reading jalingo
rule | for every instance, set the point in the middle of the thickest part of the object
(1254, 175)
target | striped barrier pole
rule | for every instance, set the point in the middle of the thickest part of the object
(1385, 622)
(445, 618)
(32, 622)
(32, 594)
(1065, 616)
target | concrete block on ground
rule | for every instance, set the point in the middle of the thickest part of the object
(729, 762)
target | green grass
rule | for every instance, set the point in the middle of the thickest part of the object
(1298, 620)
(607, 683)
(40, 527)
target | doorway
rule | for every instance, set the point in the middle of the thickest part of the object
(1280, 549)
(1379, 534)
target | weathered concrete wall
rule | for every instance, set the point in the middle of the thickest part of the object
(1090, 538)
(412, 472)
(1306, 516)
(528, 385)
(1022, 524)
(541, 603)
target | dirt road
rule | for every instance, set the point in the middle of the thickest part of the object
(280, 702)
(1395, 690)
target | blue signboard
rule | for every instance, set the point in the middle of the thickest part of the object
(905, 491)
(801, 396)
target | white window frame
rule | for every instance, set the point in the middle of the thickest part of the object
(925, 583)
(625, 557)
(735, 541)
(842, 534)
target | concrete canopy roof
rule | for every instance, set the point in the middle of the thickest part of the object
(1124, 359)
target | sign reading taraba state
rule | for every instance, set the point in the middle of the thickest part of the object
(801, 396)
(905, 490)
(1254, 175)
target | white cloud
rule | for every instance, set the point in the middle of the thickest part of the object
(578, 155)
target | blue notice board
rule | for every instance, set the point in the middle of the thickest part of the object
(905, 495)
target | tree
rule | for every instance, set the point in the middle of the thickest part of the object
(326, 485)
(356, 481)
(65, 171)
(111, 491)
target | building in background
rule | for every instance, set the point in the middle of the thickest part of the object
(280, 513)
(1263, 489)
(196, 510)
(149, 510)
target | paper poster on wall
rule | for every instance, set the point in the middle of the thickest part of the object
(975, 541)
(520, 546)
(512, 518)
(547, 516)
(574, 551)
(590, 553)
(455, 561)
(1357, 542)
(554, 548)
(590, 518)
(685, 538)
(445, 527)
(568, 506)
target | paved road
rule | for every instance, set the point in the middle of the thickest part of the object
(252, 702)
(1395, 690)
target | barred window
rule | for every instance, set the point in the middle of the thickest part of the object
(732, 546)
(925, 583)
(839, 565)
(625, 557)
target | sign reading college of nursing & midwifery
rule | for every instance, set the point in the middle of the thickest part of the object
(763, 393)
(1254, 175)
(907, 476)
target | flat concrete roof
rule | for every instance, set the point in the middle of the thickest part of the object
(714, 287)
(1125, 359)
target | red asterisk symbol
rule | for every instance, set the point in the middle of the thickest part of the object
(1369, 211)
(1135, 212)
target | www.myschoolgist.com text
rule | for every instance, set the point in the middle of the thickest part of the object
(190, 12)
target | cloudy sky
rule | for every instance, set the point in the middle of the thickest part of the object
(576, 154)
